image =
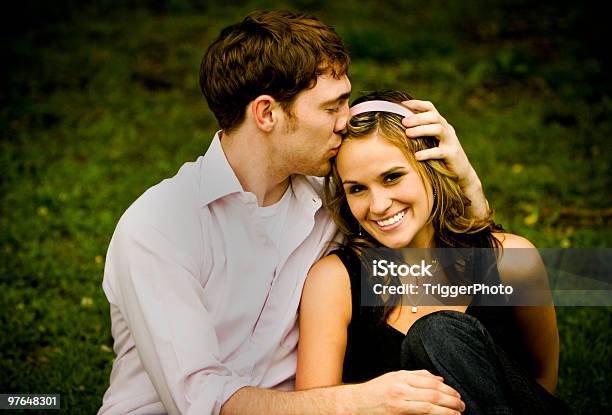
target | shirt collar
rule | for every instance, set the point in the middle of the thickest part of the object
(219, 180)
(308, 191)
(217, 177)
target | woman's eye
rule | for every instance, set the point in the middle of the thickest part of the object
(393, 177)
(355, 189)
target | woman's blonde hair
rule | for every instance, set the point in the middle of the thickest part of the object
(452, 226)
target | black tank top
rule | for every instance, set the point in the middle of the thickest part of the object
(373, 347)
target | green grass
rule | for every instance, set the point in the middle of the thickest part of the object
(102, 104)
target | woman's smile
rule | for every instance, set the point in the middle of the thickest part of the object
(391, 222)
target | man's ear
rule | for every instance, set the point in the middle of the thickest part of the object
(264, 110)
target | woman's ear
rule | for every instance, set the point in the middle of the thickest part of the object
(263, 110)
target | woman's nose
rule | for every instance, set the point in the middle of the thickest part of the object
(380, 202)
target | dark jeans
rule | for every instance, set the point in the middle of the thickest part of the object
(459, 348)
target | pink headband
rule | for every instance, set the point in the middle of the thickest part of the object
(380, 106)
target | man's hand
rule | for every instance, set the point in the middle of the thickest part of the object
(394, 393)
(427, 121)
(404, 392)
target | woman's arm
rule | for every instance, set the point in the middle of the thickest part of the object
(523, 268)
(325, 312)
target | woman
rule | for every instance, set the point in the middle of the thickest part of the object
(500, 359)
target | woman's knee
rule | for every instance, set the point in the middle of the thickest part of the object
(444, 336)
(442, 329)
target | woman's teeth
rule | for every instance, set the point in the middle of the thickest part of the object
(392, 220)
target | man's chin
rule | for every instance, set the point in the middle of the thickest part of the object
(318, 171)
(325, 170)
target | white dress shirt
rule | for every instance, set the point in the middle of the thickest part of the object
(202, 301)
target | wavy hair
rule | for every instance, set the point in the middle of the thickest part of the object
(452, 227)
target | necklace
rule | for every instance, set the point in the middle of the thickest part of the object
(415, 304)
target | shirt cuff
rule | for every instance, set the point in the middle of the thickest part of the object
(231, 388)
(214, 393)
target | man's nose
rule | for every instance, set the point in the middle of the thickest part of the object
(343, 117)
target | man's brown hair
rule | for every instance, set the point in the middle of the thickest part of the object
(276, 53)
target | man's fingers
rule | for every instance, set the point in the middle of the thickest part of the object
(430, 130)
(419, 106)
(423, 372)
(423, 118)
(435, 153)
(437, 398)
(428, 408)
(426, 382)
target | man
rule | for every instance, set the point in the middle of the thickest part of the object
(205, 270)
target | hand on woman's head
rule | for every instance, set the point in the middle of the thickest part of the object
(423, 206)
(427, 121)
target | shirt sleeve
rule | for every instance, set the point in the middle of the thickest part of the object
(155, 284)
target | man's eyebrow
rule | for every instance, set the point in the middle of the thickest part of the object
(342, 97)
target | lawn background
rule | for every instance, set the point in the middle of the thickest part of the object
(100, 101)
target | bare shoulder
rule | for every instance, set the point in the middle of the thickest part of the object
(520, 262)
(510, 240)
(328, 274)
(328, 286)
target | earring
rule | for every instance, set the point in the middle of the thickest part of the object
(359, 233)
(435, 194)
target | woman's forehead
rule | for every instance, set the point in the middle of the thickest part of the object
(369, 154)
(373, 144)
